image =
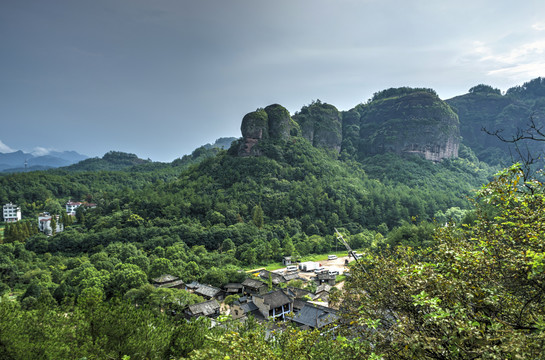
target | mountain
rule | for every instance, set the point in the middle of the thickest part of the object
(221, 143)
(405, 121)
(510, 115)
(20, 161)
(111, 161)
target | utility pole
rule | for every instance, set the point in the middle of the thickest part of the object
(350, 251)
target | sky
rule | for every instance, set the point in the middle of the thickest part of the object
(160, 78)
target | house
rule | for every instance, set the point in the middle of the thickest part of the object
(210, 308)
(11, 213)
(241, 309)
(292, 276)
(192, 286)
(252, 286)
(71, 207)
(275, 278)
(44, 223)
(322, 292)
(314, 316)
(274, 304)
(168, 281)
(325, 277)
(233, 289)
(209, 292)
(286, 260)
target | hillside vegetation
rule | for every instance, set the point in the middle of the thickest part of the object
(452, 262)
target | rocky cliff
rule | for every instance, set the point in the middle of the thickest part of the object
(407, 121)
(321, 124)
(403, 121)
(274, 122)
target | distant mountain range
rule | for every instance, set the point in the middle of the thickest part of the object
(20, 161)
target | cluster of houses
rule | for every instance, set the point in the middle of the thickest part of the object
(12, 213)
(300, 306)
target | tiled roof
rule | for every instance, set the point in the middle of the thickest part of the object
(315, 317)
(253, 283)
(248, 307)
(208, 291)
(275, 299)
(205, 308)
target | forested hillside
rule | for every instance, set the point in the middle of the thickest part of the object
(448, 259)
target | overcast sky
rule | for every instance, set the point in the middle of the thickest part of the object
(159, 78)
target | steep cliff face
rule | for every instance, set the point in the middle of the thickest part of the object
(321, 125)
(273, 122)
(408, 121)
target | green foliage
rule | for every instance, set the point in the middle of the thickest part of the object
(478, 294)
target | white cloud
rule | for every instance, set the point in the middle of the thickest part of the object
(540, 26)
(520, 62)
(5, 149)
(40, 151)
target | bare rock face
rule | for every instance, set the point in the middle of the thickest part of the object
(279, 121)
(273, 122)
(416, 122)
(321, 124)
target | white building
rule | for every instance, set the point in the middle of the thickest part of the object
(44, 223)
(71, 207)
(11, 213)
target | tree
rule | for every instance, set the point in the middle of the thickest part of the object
(53, 225)
(257, 216)
(124, 278)
(287, 246)
(478, 294)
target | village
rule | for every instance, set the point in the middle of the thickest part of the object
(268, 295)
(280, 294)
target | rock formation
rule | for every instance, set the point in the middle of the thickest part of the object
(273, 122)
(411, 121)
(321, 125)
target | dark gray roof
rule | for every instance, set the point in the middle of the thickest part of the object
(233, 286)
(193, 285)
(253, 283)
(208, 291)
(315, 317)
(275, 278)
(205, 308)
(275, 298)
(248, 307)
(325, 276)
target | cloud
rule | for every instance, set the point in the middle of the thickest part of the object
(40, 151)
(5, 149)
(520, 61)
(540, 26)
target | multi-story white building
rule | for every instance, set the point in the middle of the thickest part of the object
(11, 213)
(44, 223)
(71, 207)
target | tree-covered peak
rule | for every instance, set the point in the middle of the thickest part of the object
(401, 91)
(484, 89)
(531, 89)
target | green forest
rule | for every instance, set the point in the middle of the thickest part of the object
(451, 236)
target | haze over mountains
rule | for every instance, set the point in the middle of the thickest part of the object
(20, 161)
